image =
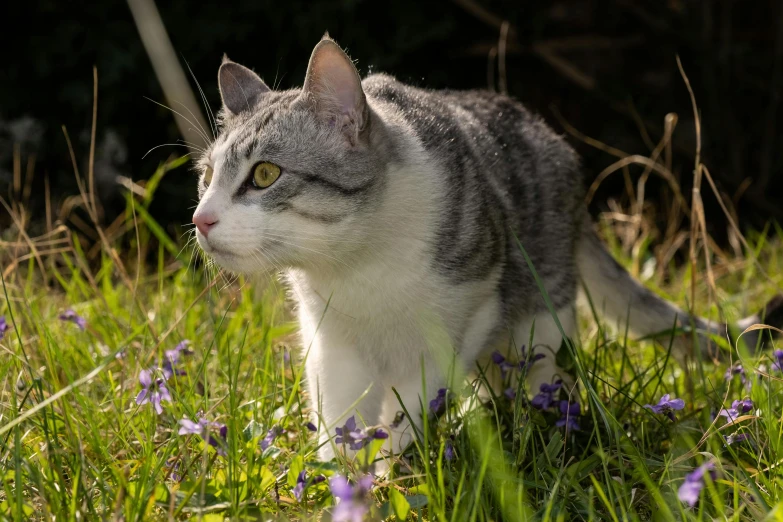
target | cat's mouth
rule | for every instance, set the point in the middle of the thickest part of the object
(210, 249)
(227, 259)
(216, 252)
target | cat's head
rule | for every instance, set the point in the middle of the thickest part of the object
(292, 174)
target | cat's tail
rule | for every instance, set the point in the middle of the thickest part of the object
(621, 299)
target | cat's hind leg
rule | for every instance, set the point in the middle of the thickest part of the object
(547, 339)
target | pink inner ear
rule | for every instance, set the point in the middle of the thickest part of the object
(335, 82)
(341, 84)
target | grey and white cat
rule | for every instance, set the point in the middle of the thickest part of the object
(394, 214)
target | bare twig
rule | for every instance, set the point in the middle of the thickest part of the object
(502, 41)
(167, 68)
(93, 130)
(483, 14)
(493, 53)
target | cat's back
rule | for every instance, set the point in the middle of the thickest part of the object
(485, 136)
(488, 130)
(504, 169)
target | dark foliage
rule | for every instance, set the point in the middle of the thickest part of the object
(607, 66)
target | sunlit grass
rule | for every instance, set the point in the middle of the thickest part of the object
(94, 453)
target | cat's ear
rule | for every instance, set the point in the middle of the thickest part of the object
(333, 86)
(240, 88)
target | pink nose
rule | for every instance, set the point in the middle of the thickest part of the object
(204, 222)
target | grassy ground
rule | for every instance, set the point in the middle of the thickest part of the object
(75, 444)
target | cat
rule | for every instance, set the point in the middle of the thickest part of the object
(397, 216)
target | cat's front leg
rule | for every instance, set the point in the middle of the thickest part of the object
(341, 386)
(415, 392)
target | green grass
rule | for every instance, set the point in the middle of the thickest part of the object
(75, 445)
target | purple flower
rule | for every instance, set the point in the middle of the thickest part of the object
(439, 402)
(352, 506)
(737, 369)
(310, 426)
(355, 437)
(153, 391)
(736, 437)
(70, 315)
(193, 428)
(506, 366)
(737, 409)
(174, 471)
(510, 393)
(694, 482)
(302, 483)
(172, 357)
(667, 406)
(349, 435)
(4, 327)
(570, 412)
(271, 435)
(546, 397)
(527, 361)
(379, 434)
(448, 451)
(203, 428)
(502, 363)
(778, 364)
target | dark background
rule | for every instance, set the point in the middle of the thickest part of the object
(614, 78)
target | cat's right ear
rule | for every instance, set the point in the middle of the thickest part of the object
(333, 85)
(240, 88)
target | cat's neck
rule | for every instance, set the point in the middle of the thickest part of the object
(393, 260)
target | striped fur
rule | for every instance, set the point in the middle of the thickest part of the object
(402, 208)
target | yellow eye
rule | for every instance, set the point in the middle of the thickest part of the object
(208, 176)
(264, 174)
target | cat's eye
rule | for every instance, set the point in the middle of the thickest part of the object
(264, 174)
(207, 176)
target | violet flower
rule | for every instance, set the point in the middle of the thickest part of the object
(174, 471)
(70, 315)
(570, 412)
(546, 397)
(502, 363)
(510, 393)
(506, 366)
(778, 364)
(172, 357)
(694, 482)
(4, 327)
(203, 428)
(352, 506)
(527, 361)
(737, 369)
(736, 437)
(153, 391)
(439, 402)
(737, 409)
(448, 451)
(379, 434)
(349, 435)
(355, 437)
(310, 426)
(302, 483)
(271, 435)
(667, 406)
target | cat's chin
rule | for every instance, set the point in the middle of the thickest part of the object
(238, 264)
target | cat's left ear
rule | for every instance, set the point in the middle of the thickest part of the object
(240, 88)
(333, 85)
